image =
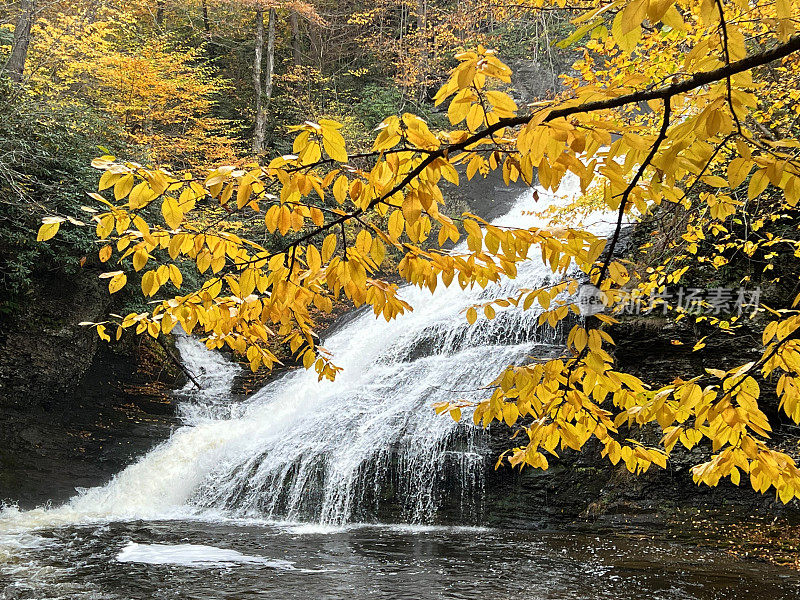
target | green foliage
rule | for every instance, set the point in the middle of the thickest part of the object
(376, 101)
(44, 170)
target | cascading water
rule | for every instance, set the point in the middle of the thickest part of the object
(365, 447)
(215, 375)
(212, 512)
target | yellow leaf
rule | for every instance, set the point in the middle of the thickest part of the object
(625, 40)
(758, 183)
(243, 194)
(658, 8)
(101, 331)
(271, 218)
(175, 276)
(149, 283)
(633, 15)
(47, 231)
(738, 170)
(308, 358)
(510, 413)
(247, 282)
(313, 258)
(377, 251)
(714, 181)
(284, 220)
(502, 101)
(141, 195)
(580, 339)
(107, 179)
(328, 247)
(340, 189)
(140, 258)
(117, 282)
(396, 224)
(606, 319)
(226, 194)
(123, 186)
(333, 142)
(735, 476)
(171, 211)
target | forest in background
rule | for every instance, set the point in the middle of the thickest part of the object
(180, 83)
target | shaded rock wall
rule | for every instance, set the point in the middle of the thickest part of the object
(44, 353)
(74, 409)
(586, 485)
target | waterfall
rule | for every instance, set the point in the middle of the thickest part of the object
(214, 373)
(363, 448)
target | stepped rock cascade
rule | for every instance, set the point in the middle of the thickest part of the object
(367, 447)
(215, 374)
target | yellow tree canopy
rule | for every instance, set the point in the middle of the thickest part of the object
(675, 102)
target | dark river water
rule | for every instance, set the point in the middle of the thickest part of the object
(199, 560)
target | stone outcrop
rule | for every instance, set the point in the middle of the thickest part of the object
(75, 410)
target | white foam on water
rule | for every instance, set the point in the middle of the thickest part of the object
(403, 528)
(194, 555)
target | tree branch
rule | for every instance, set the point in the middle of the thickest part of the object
(664, 93)
(623, 204)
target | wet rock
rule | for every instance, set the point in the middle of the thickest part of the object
(44, 350)
(75, 410)
(586, 486)
(533, 79)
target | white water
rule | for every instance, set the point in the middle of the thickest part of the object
(193, 555)
(214, 373)
(367, 446)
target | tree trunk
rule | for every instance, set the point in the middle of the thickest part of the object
(270, 54)
(206, 21)
(211, 49)
(294, 23)
(316, 53)
(422, 26)
(15, 66)
(263, 89)
(160, 13)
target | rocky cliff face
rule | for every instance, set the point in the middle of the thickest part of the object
(75, 410)
(586, 486)
(44, 350)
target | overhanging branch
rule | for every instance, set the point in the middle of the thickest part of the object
(665, 93)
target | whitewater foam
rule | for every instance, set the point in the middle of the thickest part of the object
(194, 555)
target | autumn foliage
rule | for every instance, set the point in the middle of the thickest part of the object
(674, 103)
